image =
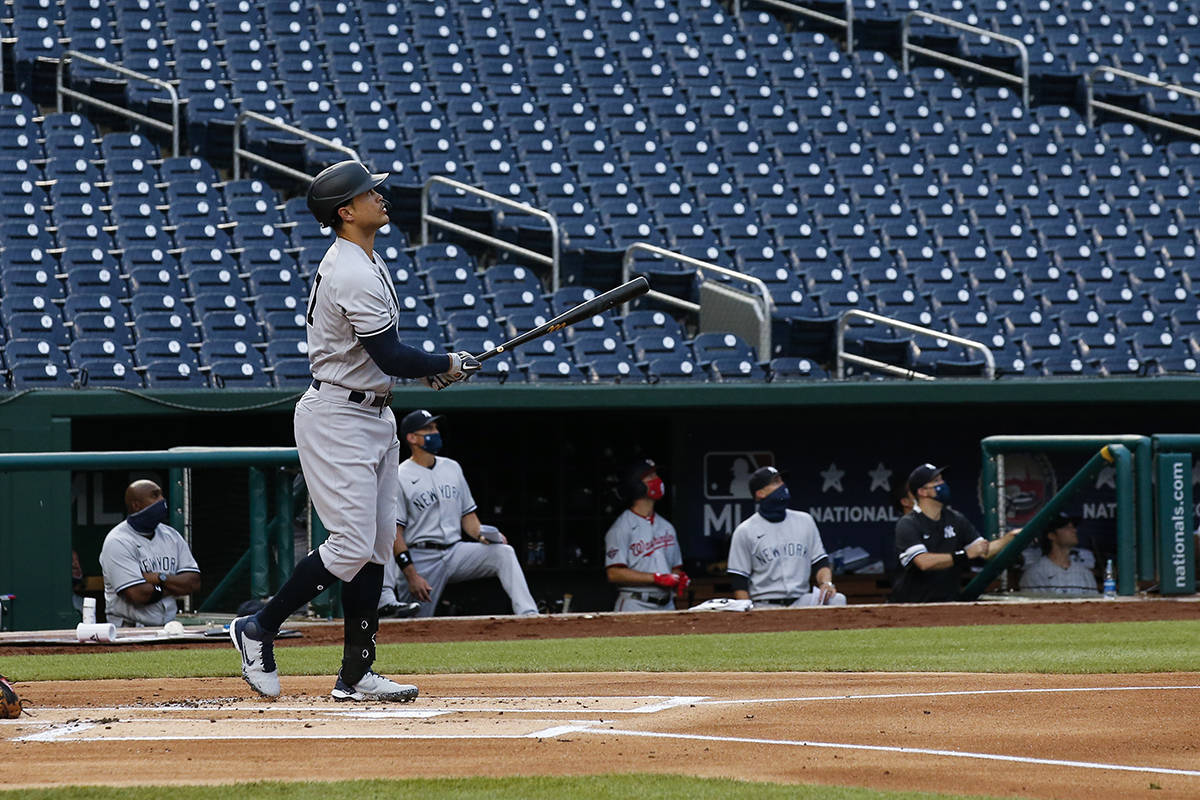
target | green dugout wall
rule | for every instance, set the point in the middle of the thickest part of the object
(542, 439)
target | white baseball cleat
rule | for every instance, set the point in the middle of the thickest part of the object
(258, 656)
(374, 686)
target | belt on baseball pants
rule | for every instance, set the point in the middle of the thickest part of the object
(646, 597)
(432, 545)
(777, 601)
(355, 396)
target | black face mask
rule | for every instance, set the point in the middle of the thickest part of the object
(149, 518)
(774, 506)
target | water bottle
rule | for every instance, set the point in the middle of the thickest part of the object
(1110, 584)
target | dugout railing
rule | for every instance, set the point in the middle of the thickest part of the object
(1115, 455)
(1155, 514)
(270, 556)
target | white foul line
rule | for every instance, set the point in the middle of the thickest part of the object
(895, 695)
(892, 749)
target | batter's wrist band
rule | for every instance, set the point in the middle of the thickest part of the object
(403, 559)
(960, 558)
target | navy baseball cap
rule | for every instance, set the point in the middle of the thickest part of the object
(415, 420)
(762, 477)
(1061, 520)
(923, 475)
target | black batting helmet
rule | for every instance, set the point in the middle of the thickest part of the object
(336, 186)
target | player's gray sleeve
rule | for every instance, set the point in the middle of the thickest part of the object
(402, 505)
(119, 563)
(740, 556)
(186, 562)
(464, 493)
(362, 297)
(616, 545)
(818, 547)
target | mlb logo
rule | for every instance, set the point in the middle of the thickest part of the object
(727, 475)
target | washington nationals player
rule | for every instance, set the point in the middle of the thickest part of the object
(346, 435)
(774, 553)
(434, 512)
(641, 551)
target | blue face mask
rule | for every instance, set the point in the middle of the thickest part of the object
(146, 520)
(432, 443)
(941, 493)
(774, 506)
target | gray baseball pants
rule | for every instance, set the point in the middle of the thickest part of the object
(464, 561)
(351, 461)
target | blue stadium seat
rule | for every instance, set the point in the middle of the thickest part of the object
(672, 368)
(238, 375)
(734, 369)
(39, 375)
(711, 346)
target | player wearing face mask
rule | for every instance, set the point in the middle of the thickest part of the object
(642, 555)
(146, 563)
(439, 538)
(775, 553)
(935, 544)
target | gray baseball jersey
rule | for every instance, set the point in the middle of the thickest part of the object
(433, 501)
(647, 545)
(349, 451)
(125, 555)
(1046, 576)
(351, 297)
(776, 557)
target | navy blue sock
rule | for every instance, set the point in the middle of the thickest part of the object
(360, 603)
(308, 580)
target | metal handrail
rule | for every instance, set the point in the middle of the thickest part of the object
(239, 153)
(843, 322)
(550, 261)
(61, 91)
(906, 48)
(1092, 103)
(764, 336)
(847, 23)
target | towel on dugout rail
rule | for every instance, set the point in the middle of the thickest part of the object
(723, 604)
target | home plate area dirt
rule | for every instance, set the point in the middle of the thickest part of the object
(1009, 735)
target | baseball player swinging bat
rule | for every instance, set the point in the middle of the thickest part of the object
(600, 303)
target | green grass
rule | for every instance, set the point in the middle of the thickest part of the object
(1076, 648)
(598, 787)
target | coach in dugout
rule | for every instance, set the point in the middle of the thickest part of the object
(146, 563)
(935, 544)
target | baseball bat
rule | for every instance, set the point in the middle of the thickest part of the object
(586, 310)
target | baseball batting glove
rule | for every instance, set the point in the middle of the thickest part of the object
(667, 580)
(10, 704)
(684, 582)
(462, 366)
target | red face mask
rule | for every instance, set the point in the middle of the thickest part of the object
(655, 489)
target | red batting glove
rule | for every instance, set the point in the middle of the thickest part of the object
(684, 582)
(667, 580)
